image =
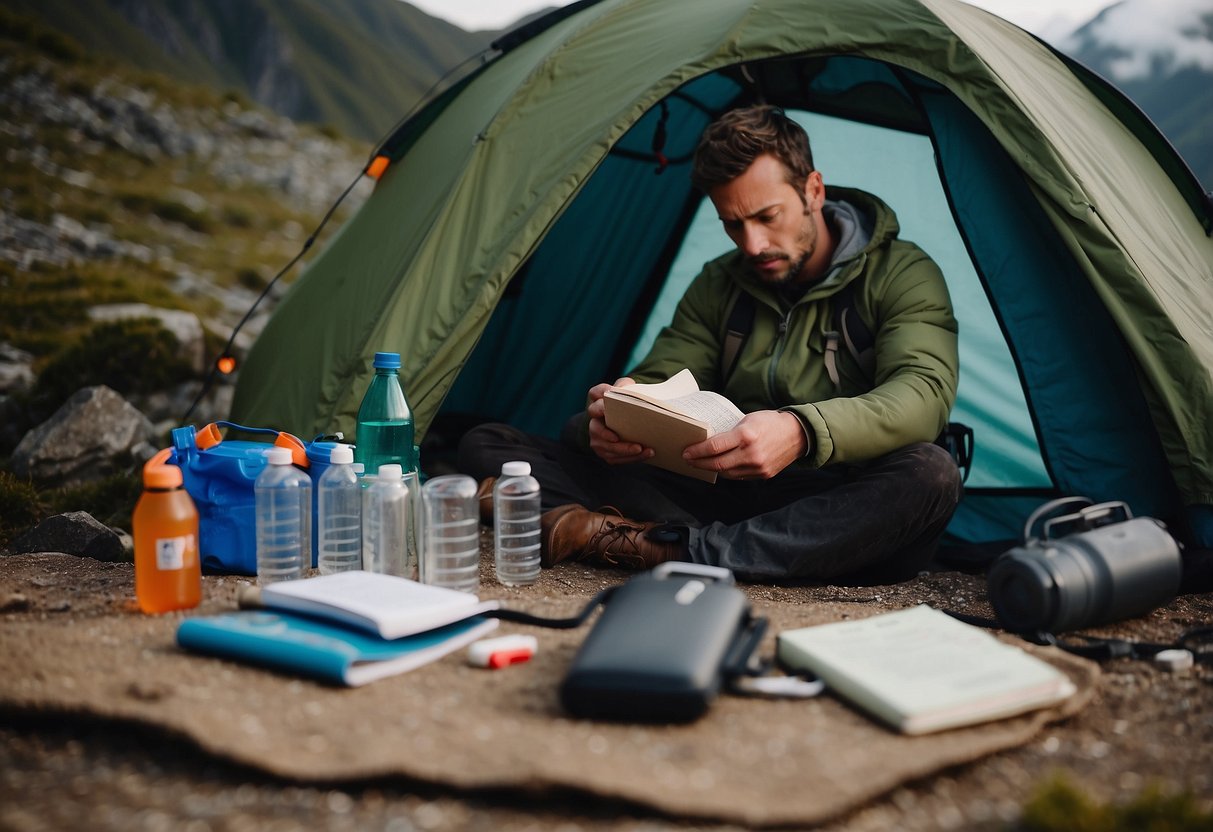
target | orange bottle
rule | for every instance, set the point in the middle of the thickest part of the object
(168, 574)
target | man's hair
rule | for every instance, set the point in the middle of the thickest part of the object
(732, 143)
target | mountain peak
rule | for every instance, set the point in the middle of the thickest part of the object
(1137, 39)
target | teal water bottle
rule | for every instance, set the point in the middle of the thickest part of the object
(385, 422)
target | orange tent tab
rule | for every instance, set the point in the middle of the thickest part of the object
(377, 166)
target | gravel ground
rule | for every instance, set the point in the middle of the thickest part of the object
(1145, 727)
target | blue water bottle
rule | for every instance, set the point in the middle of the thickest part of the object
(385, 422)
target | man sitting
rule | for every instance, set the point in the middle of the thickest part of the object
(832, 474)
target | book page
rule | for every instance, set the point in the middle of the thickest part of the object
(680, 414)
(681, 394)
(680, 384)
(713, 409)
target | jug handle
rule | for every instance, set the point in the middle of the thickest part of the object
(209, 437)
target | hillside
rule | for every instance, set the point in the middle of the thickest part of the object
(122, 187)
(357, 65)
(1161, 55)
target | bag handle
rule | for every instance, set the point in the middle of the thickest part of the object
(209, 436)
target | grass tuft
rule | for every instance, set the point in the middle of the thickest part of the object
(21, 506)
(129, 356)
(1060, 807)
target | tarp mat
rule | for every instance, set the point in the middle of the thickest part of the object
(73, 644)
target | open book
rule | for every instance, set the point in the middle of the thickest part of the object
(920, 670)
(385, 605)
(669, 416)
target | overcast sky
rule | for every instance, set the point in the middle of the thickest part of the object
(1047, 18)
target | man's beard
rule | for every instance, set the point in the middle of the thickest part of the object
(790, 275)
(795, 267)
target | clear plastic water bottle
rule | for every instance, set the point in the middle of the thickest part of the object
(516, 525)
(339, 514)
(451, 550)
(385, 513)
(283, 504)
(385, 422)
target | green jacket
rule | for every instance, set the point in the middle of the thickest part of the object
(903, 299)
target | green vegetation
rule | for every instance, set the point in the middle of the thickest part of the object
(129, 356)
(53, 44)
(150, 228)
(22, 505)
(46, 307)
(111, 500)
(229, 234)
(1061, 807)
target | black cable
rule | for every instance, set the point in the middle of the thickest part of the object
(569, 623)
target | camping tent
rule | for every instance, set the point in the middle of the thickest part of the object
(537, 218)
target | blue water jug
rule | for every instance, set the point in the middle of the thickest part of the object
(219, 475)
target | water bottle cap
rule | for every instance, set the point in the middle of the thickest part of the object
(342, 455)
(516, 469)
(159, 473)
(386, 361)
(278, 456)
(391, 471)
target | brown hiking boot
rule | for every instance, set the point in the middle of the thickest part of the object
(484, 496)
(571, 532)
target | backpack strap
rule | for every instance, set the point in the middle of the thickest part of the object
(850, 329)
(737, 330)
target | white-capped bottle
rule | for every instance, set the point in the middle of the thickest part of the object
(450, 554)
(282, 497)
(339, 514)
(516, 525)
(385, 513)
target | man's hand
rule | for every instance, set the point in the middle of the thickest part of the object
(759, 447)
(604, 441)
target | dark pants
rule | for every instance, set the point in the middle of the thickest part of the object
(877, 522)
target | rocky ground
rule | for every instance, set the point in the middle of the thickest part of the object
(1145, 728)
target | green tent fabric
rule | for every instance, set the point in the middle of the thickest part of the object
(515, 248)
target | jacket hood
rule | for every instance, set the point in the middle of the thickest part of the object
(863, 223)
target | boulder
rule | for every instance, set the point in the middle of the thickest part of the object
(74, 533)
(94, 434)
(184, 326)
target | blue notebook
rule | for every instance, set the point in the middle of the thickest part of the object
(328, 652)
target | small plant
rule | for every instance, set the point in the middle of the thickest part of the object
(166, 209)
(21, 506)
(238, 217)
(1060, 807)
(250, 279)
(25, 29)
(130, 356)
(111, 500)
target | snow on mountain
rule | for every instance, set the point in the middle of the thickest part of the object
(1138, 39)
